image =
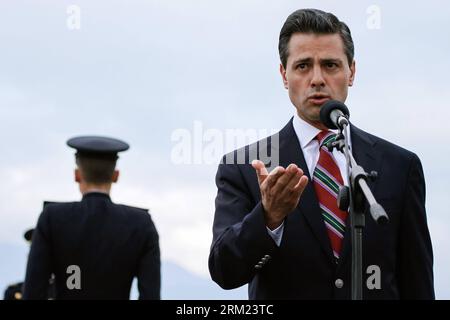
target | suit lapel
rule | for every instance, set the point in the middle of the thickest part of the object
(363, 152)
(291, 152)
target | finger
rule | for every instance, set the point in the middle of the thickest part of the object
(261, 170)
(289, 189)
(274, 175)
(282, 182)
(300, 171)
(301, 185)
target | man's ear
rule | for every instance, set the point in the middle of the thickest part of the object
(283, 76)
(352, 73)
(115, 176)
(77, 174)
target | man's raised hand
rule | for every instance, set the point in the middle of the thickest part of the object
(280, 191)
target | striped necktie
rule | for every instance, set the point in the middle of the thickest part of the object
(326, 180)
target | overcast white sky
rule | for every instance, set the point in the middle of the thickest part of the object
(140, 70)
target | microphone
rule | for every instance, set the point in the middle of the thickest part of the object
(334, 114)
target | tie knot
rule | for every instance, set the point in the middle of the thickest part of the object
(325, 136)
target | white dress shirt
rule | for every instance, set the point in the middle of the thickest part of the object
(306, 134)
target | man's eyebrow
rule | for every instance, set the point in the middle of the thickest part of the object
(325, 60)
(328, 60)
(302, 60)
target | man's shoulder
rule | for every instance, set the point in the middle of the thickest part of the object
(263, 149)
(52, 207)
(57, 213)
(139, 218)
(136, 214)
(133, 210)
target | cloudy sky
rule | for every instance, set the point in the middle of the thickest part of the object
(145, 71)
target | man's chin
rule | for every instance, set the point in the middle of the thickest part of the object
(312, 116)
(309, 112)
(314, 113)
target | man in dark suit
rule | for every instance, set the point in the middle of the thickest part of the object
(94, 247)
(282, 232)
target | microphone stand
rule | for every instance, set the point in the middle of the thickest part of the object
(353, 198)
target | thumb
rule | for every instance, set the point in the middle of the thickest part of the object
(261, 170)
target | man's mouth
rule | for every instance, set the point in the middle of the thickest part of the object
(318, 98)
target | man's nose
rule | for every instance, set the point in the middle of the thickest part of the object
(317, 78)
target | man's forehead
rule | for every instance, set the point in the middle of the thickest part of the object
(326, 38)
(308, 45)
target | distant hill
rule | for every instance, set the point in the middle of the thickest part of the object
(177, 282)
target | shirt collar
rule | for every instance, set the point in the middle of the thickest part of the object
(95, 193)
(306, 132)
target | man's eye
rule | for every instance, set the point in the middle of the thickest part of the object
(331, 65)
(302, 66)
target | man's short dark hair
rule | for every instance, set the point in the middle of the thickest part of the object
(317, 22)
(96, 169)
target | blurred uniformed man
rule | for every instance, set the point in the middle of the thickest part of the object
(15, 291)
(94, 247)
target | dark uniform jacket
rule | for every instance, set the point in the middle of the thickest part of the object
(109, 243)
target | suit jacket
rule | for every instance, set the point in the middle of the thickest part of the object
(303, 267)
(110, 243)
